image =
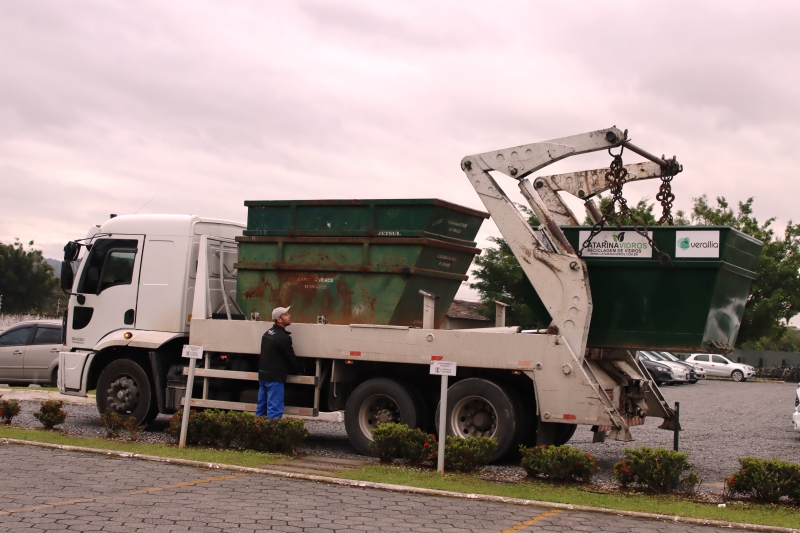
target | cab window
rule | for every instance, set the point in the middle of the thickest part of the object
(16, 337)
(702, 358)
(110, 263)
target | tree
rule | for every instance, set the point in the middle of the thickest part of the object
(500, 278)
(642, 211)
(775, 294)
(27, 282)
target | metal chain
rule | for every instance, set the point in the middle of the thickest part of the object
(666, 198)
(616, 176)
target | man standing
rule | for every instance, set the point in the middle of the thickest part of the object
(276, 360)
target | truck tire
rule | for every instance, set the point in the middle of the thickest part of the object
(481, 408)
(124, 387)
(564, 432)
(374, 402)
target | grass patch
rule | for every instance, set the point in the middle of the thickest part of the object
(543, 491)
(230, 457)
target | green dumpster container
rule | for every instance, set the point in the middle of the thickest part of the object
(364, 218)
(697, 304)
(349, 280)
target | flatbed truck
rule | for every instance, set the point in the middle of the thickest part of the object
(143, 286)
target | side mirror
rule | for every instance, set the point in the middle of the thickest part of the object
(71, 251)
(67, 276)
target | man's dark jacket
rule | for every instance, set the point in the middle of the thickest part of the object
(277, 356)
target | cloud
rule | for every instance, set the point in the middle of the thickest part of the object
(202, 105)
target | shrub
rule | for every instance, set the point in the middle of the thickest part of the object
(658, 470)
(765, 480)
(398, 441)
(467, 454)
(236, 429)
(558, 463)
(50, 413)
(112, 422)
(9, 409)
(133, 429)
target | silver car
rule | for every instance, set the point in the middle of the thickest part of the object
(721, 366)
(29, 352)
(680, 371)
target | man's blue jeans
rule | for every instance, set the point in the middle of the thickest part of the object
(270, 399)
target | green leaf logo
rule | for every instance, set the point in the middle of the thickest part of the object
(684, 243)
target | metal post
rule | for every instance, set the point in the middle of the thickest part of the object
(187, 401)
(442, 424)
(207, 365)
(677, 429)
(318, 387)
(500, 314)
(428, 309)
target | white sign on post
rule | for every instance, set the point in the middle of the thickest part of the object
(444, 369)
(192, 352)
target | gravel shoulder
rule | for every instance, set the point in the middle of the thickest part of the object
(721, 421)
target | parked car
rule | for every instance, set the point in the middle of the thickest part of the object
(665, 371)
(721, 366)
(29, 352)
(796, 415)
(699, 371)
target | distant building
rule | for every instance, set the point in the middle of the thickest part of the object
(464, 315)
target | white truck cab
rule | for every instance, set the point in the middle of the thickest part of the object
(131, 284)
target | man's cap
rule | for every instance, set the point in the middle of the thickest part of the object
(278, 311)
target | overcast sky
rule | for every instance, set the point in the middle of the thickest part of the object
(197, 106)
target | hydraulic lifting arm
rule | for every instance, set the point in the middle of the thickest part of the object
(554, 269)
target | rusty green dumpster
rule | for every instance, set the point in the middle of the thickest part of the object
(354, 262)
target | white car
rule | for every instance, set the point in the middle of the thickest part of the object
(796, 415)
(699, 371)
(720, 366)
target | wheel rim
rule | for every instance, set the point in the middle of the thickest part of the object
(377, 409)
(123, 394)
(737, 375)
(474, 416)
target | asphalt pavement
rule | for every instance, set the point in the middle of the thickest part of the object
(56, 490)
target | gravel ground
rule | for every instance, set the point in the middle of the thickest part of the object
(721, 420)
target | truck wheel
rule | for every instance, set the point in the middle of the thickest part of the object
(480, 408)
(124, 387)
(377, 401)
(54, 377)
(564, 432)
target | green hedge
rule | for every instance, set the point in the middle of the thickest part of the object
(656, 470)
(398, 441)
(558, 463)
(239, 430)
(765, 480)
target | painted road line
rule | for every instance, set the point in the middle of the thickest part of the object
(131, 493)
(526, 523)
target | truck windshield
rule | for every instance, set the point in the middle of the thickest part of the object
(111, 259)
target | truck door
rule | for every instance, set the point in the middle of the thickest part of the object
(107, 291)
(12, 352)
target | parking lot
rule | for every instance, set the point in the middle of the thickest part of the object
(721, 421)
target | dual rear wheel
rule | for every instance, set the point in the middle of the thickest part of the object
(475, 408)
